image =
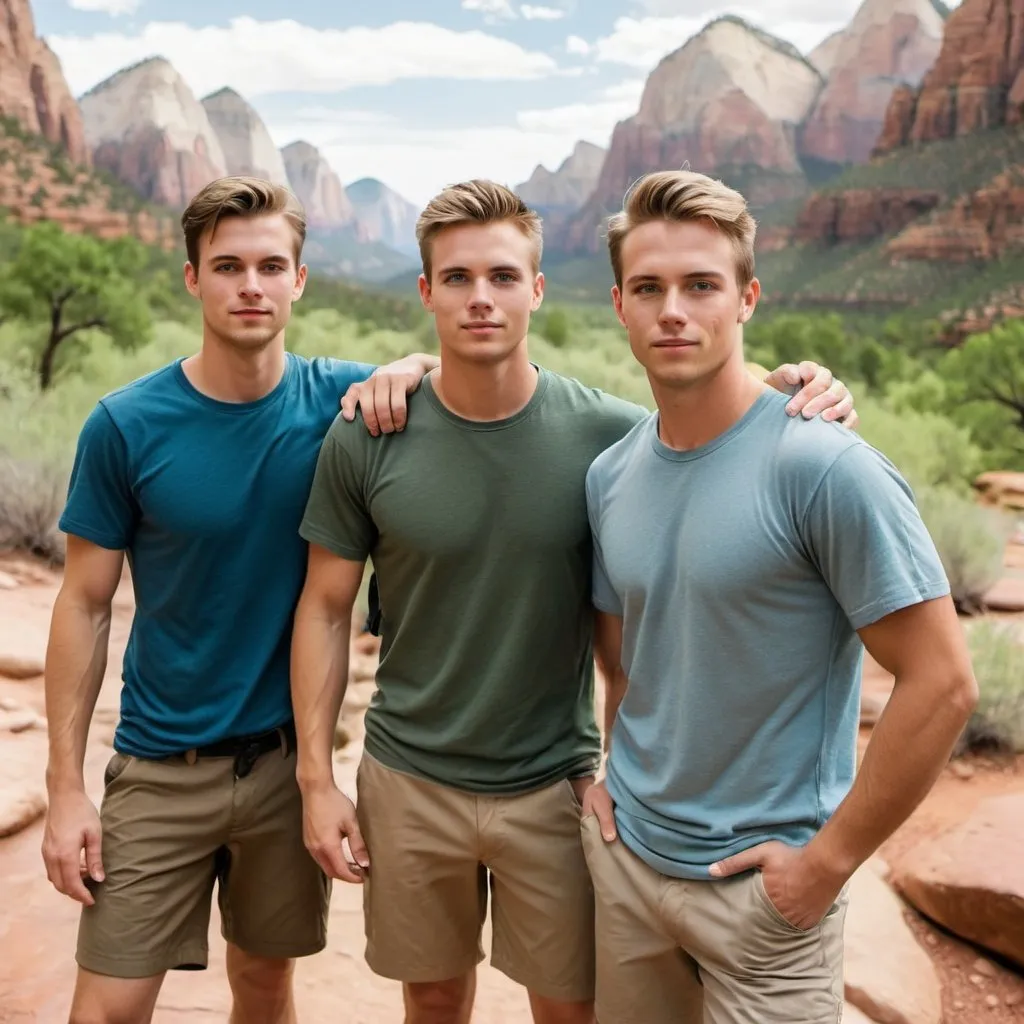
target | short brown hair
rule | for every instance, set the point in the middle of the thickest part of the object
(476, 202)
(685, 196)
(239, 196)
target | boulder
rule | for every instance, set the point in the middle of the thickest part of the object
(888, 975)
(970, 879)
(20, 805)
(15, 666)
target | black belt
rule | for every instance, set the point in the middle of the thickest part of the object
(246, 750)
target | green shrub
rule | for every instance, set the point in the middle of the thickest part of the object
(971, 541)
(997, 724)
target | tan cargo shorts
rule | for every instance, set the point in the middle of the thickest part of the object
(437, 853)
(174, 828)
(678, 951)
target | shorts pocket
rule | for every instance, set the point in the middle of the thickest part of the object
(766, 901)
(577, 805)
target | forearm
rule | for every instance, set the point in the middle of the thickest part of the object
(76, 659)
(909, 747)
(319, 677)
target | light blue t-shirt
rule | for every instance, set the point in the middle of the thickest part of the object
(741, 570)
(206, 498)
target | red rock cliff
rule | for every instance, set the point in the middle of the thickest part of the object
(32, 86)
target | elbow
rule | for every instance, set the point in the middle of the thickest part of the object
(961, 692)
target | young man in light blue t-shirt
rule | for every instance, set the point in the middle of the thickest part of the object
(743, 561)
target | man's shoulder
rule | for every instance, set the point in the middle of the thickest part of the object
(601, 408)
(330, 372)
(137, 393)
(614, 460)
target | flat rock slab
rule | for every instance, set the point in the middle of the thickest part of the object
(851, 1015)
(970, 879)
(17, 666)
(20, 805)
(888, 976)
(1006, 596)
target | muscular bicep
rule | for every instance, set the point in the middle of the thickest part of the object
(924, 641)
(91, 573)
(332, 582)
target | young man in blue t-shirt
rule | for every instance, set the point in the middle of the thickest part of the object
(199, 473)
(743, 560)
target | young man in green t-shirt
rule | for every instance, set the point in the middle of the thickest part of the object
(481, 739)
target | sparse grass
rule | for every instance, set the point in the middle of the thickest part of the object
(31, 499)
(997, 725)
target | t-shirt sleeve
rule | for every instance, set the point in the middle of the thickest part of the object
(336, 516)
(867, 537)
(100, 506)
(347, 373)
(603, 593)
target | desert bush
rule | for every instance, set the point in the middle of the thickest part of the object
(31, 499)
(971, 541)
(997, 654)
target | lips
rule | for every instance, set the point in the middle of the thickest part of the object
(675, 343)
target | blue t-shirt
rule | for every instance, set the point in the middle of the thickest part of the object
(742, 570)
(206, 498)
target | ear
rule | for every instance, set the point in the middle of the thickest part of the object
(300, 282)
(538, 293)
(192, 281)
(748, 301)
(426, 297)
(617, 303)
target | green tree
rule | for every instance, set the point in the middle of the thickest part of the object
(985, 382)
(556, 327)
(74, 282)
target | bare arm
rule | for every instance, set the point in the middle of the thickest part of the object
(935, 693)
(319, 677)
(76, 659)
(608, 655)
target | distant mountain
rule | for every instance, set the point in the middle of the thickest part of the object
(566, 189)
(384, 215)
(145, 127)
(319, 189)
(345, 252)
(888, 43)
(247, 145)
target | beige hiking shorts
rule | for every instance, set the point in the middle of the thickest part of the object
(676, 951)
(437, 854)
(171, 831)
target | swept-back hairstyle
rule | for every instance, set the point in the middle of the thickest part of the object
(239, 196)
(685, 196)
(475, 202)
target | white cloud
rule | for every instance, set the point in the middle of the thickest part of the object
(642, 42)
(531, 13)
(257, 57)
(593, 121)
(493, 8)
(111, 7)
(576, 44)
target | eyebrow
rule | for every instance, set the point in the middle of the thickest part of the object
(276, 258)
(644, 278)
(502, 268)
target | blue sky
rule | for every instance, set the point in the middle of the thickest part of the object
(416, 94)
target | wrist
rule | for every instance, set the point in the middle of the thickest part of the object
(64, 782)
(829, 860)
(315, 779)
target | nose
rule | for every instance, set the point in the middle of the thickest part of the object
(251, 286)
(481, 301)
(673, 310)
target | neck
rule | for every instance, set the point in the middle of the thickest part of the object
(230, 374)
(692, 416)
(485, 391)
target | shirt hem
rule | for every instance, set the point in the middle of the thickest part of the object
(897, 601)
(103, 540)
(315, 535)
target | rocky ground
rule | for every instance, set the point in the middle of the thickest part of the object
(901, 968)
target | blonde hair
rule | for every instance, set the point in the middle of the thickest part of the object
(239, 196)
(685, 196)
(476, 202)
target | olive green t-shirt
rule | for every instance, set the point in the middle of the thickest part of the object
(481, 544)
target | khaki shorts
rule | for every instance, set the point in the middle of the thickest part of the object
(674, 951)
(171, 829)
(436, 852)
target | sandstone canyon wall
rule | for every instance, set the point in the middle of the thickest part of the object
(566, 189)
(32, 86)
(889, 42)
(729, 102)
(145, 126)
(384, 215)
(319, 189)
(244, 138)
